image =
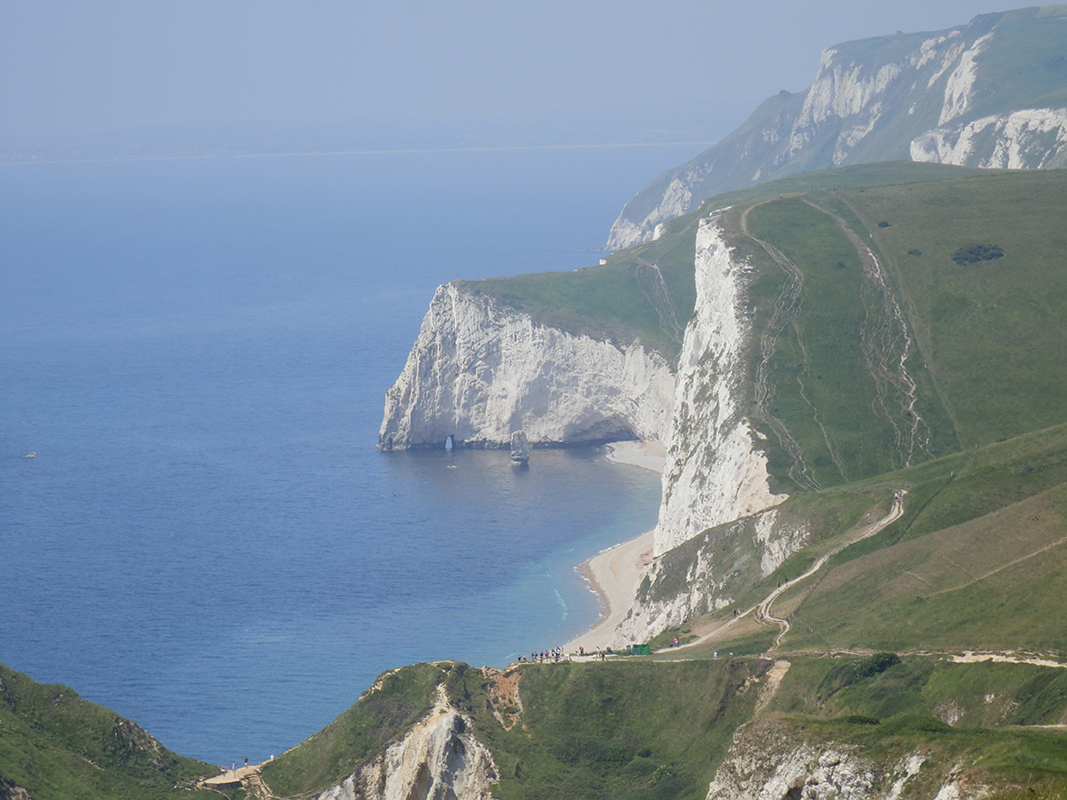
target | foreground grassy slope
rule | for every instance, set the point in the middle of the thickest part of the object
(584, 731)
(642, 730)
(399, 699)
(56, 746)
(620, 730)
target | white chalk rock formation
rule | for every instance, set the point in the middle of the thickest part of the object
(767, 762)
(1034, 138)
(480, 371)
(714, 473)
(885, 99)
(438, 759)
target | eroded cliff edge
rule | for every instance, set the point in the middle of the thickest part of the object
(480, 371)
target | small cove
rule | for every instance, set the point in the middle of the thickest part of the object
(209, 541)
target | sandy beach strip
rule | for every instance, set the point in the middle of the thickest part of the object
(615, 573)
(647, 455)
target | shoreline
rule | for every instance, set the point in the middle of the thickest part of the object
(614, 574)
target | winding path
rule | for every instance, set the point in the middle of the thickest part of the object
(762, 609)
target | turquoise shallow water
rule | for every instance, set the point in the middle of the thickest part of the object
(209, 541)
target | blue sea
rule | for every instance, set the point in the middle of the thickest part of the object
(208, 541)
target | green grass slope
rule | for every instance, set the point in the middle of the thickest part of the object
(57, 746)
(920, 355)
(398, 700)
(879, 364)
(623, 300)
(977, 561)
(992, 331)
(637, 731)
(583, 731)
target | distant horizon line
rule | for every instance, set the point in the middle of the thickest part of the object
(369, 152)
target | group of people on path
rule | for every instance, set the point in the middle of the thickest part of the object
(556, 654)
(544, 656)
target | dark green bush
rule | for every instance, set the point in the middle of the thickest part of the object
(973, 253)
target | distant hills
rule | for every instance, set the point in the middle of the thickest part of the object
(991, 93)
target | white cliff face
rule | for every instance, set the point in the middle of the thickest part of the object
(438, 759)
(1031, 139)
(767, 763)
(714, 473)
(479, 371)
(874, 102)
(959, 89)
(677, 200)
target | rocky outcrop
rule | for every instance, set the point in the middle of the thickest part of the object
(950, 97)
(1031, 139)
(714, 471)
(480, 371)
(770, 761)
(710, 571)
(438, 759)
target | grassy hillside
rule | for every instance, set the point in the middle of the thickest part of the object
(991, 332)
(584, 731)
(887, 361)
(978, 560)
(643, 730)
(398, 700)
(880, 364)
(624, 301)
(57, 746)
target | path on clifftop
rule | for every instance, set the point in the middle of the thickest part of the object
(887, 347)
(762, 609)
(783, 316)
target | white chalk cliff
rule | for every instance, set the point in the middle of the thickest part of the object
(437, 759)
(480, 371)
(767, 761)
(932, 97)
(713, 473)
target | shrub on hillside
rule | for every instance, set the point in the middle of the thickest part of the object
(973, 253)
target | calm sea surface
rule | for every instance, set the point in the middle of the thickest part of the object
(208, 541)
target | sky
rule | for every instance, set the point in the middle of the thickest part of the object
(90, 67)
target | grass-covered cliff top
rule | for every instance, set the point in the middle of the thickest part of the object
(646, 294)
(960, 340)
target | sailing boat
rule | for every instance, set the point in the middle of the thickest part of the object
(520, 448)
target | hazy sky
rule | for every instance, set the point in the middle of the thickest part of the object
(85, 67)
